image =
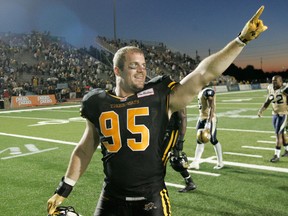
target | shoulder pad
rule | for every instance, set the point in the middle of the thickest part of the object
(285, 89)
(165, 80)
(91, 97)
(158, 79)
(93, 92)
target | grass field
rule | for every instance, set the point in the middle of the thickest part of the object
(35, 147)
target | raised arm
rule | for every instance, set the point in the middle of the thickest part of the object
(214, 65)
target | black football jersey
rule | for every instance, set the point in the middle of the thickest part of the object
(131, 133)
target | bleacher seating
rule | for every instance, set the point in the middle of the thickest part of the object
(39, 63)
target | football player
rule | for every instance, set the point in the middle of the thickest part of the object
(129, 122)
(277, 95)
(175, 134)
(207, 120)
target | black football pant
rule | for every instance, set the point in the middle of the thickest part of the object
(158, 205)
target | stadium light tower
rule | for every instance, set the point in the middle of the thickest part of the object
(114, 14)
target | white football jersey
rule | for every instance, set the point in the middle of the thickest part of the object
(279, 99)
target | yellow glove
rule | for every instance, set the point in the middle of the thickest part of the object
(253, 28)
(53, 202)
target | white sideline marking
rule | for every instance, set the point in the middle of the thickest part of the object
(21, 117)
(239, 130)
(265, 141)
(260, 148)
(245, 155)
(174, 185)
(203, 173)
(252, 166)
(237, 100)
(208, 160)
(13, 150)
(37, 109)
(39, 138)
(30, 153)
(32, 147)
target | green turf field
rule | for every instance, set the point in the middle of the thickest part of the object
(35, 147)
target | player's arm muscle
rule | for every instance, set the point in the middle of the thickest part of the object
(209, 69)
(83, 152)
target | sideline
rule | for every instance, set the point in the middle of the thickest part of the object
(37, 109)
(39, 139)
(240, 130)
(30, 153)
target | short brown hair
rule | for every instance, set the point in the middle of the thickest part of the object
(119, 57)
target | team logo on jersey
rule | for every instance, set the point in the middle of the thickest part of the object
(150, 206)
(145, 93)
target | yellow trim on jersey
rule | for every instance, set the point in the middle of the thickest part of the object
(172, 142)
(165, 202)
(171, 85)
(112, 95)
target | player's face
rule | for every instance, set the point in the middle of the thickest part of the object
(277, 82)
(134, 72)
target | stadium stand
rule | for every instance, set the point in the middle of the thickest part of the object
(39, 63)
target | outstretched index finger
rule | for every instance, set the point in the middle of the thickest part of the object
(258, 13)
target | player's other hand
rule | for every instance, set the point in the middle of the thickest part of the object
(53, 202)
(207, 126)
(253, 28)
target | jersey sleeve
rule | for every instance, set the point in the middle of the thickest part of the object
(166, 80)
(285, 90)
(88, 100)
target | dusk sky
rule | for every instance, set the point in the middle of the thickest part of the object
(186, 26)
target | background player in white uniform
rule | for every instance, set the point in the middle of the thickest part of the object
(277, 94)
(207, 119)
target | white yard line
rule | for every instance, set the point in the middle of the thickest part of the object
(204, 173)
(208, 160)
(259, 148)
(174, 185)
(244, 155)
(265, 141)
(240, 130)
(252, 166)
(29, 153)
(37, 109)
(39, 138)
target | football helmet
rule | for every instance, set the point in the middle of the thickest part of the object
(179, 163)
(203, 135)
(64, 211)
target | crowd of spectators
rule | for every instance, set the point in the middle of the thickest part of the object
(160, 59)
(36, 63)
(39, 63)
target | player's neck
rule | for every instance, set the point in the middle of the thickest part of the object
(122, 93)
